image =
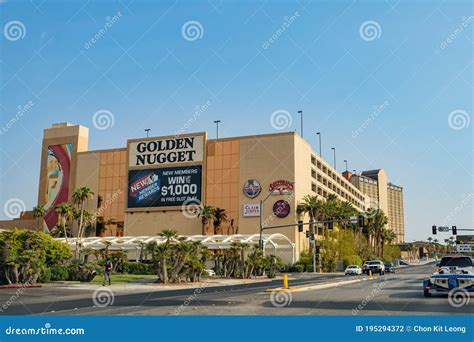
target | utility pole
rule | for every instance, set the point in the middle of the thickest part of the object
(147, 130)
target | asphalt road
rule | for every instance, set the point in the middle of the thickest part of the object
(398, 294)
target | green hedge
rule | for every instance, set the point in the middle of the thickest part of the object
(138, 268)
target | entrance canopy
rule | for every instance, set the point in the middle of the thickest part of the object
(276, 244)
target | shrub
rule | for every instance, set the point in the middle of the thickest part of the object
(25, 255)
(59, 273)
(299, 268)
(45, 276)
(83, 272)
(138, 268)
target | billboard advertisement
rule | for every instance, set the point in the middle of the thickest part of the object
(164, 187)
(57, 181)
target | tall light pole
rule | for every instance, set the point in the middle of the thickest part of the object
(302, 132)
(345, 161)
(320, 150)
(147, 130)
(217, 122)
(334, 150)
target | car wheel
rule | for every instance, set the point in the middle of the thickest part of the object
(426, 293)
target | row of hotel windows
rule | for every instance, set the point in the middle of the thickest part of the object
(350, 194)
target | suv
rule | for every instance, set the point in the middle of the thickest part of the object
(376, 266)
(455, 264)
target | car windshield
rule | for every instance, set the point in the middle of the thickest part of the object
(352, 266)
(373, 263)
(456, 262)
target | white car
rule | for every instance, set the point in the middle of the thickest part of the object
(210, 273)
(353, 270)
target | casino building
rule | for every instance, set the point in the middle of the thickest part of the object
(153, 183)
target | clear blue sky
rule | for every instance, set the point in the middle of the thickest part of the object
(144, 71)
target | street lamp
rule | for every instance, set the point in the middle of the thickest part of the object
(345, 161)
(147, 130)
(320, 150)
(334, 150)
(217, 122)
(262, 202)
(301, 113)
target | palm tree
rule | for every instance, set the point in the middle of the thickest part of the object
(39, 213)
(163, 251)
(206, 214)
(79, 197)
(377, 221)
(310, 205)
(65, 213)
(220, 215)
(387, 236)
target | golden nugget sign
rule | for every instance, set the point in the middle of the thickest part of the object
(173, 150)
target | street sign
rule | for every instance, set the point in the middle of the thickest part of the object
(465, 248)
(354, 219)
(444, 229)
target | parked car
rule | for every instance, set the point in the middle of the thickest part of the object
(389, 268)
(376, 266)
(210, 273)
(455, 272)
(353, 270)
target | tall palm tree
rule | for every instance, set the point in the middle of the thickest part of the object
(79, 197)
(39, 211)
(387, 236)
(206, 213)
(312, 206)
(65, 213)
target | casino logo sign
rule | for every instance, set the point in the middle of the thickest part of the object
(252, 188)
(281, 209)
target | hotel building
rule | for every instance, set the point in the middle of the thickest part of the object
(151, 184)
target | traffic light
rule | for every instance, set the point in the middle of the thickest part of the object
(300, 226)
(330, 223)
(317, 249)
(455, 230)
(434, 230)
(361, 221)
(307, 234)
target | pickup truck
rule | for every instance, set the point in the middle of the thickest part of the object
(454, 272)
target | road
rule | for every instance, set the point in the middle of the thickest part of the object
(395, 294)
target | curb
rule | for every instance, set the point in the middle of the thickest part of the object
(20, 286)
(318, 286)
